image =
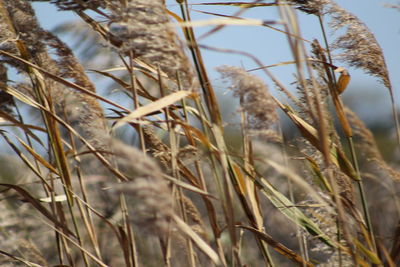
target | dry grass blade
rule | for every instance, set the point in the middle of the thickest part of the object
(226, 185)
(197, 240)
(266, 24)
(198, 134)
(152, 107)
(39, 207)
(299, 181)
(23, 157)
(94, 258)
(230, 21)
(338, 157)
(118, 231)
(62, 81)
(25, 127)
(60, 198)
(218, 28)
(125, 85)
(280, 248)
(289, 209)
(189, 187)
(92, 149)
(368, 253)
(19, 259)
(53, 131)
(239, 4)
(22, 97)
(37, 156)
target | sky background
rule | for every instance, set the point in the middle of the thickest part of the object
(365, 94)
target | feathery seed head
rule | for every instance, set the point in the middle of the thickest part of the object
(143, 27)
(255, 99)
(359, 46)
(81, 5)
(361, 49)
(310, 6)
(153, 202)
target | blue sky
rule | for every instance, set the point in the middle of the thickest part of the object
(271, 47)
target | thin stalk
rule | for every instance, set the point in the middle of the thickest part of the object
(341, 215)
(89, 224)
(348, 132)
(339, 238)
(130, 261)
(300, 55)
(300, 238)
(136, 101)
(209, 94)
(216, 175)
(174, 150)
(132, 246)
(55, 143)
(248, 163)
(362, 193)
(289, 20)
(328, 51)
(85, 210)
(352, 149)
(74, 221)
(166, 244)
(79, 238)
(71, 211)
(395, 116)
(202, 183)
(46, 187)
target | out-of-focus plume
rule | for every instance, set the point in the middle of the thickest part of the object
(255, 100)
(144, 29)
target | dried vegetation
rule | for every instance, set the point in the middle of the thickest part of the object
(156, 180)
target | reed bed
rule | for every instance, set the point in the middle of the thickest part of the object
(156, 179)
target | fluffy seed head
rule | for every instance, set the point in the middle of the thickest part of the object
(359, 45)
(144, 29)
(153, 202)
(255, 99)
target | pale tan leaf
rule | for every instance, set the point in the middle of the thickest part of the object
(152, 107)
